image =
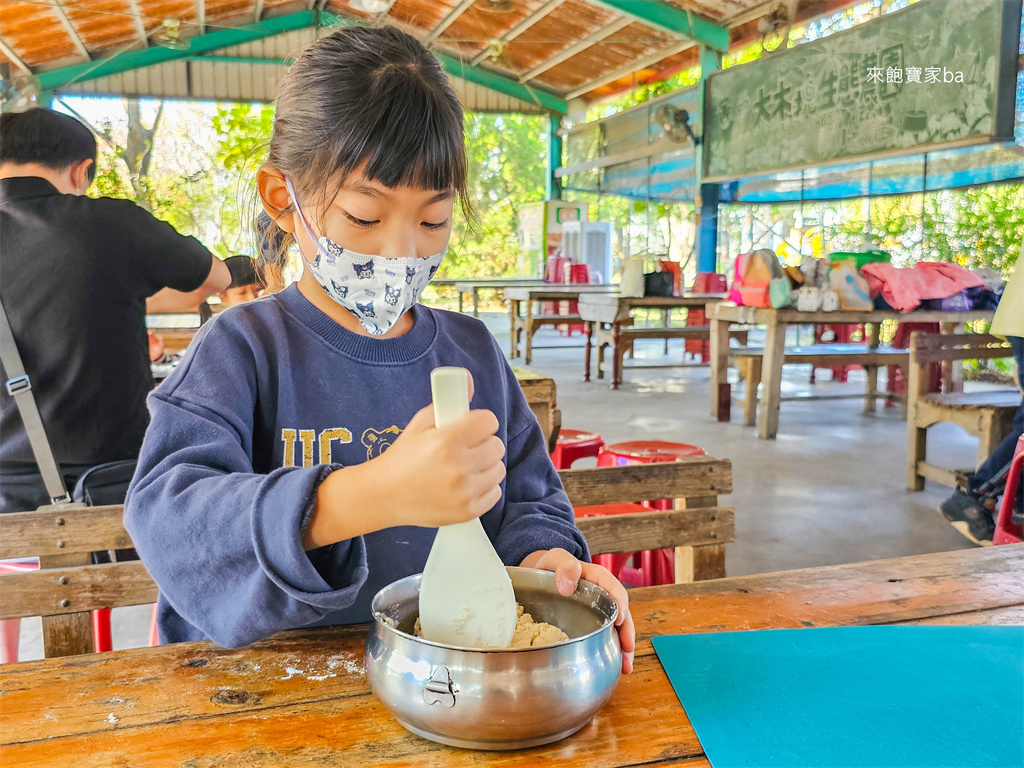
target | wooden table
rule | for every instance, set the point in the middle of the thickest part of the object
(541, 396)
(176, 329)
(777, 321)
(614, 311)
(300, 698)
(475, 285)
(530, 323)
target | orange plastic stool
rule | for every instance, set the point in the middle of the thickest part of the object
(656, 566)
(574, 444)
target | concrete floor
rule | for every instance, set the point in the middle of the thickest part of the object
(829, 490)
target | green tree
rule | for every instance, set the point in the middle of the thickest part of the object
(506, 156)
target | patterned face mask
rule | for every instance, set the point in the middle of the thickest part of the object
(377, 290)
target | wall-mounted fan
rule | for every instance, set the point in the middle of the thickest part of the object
(675, 124)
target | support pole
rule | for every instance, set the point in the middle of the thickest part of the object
(707, 229)
(554, 186)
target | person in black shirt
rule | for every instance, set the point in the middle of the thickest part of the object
(76, 274)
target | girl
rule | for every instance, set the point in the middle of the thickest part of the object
(292, 468)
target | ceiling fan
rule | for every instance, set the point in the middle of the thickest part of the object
(675, 124)
(495, 6)
(777, 24)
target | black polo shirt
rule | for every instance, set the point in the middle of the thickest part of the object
(75, 273)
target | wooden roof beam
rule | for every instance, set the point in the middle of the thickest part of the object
(257, 14)
(140, 28)
(628, 69)
(15, 59)
(380, 16)
(668, 18)
(519, 28)
(201, 16)
(606, 31)
(70, 29)
(448, 20)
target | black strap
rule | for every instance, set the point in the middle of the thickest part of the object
(19, 386)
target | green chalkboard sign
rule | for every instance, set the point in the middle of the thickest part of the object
(940, 73)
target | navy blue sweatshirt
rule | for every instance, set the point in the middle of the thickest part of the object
(271, 397)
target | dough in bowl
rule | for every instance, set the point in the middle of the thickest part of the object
(528, 632)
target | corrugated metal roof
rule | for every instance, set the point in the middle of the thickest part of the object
(40, 35)
(245, 81)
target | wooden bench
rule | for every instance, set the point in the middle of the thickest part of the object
(988, 415)
(622, 338)
(748, 361)
(68, 587)
(698, 529)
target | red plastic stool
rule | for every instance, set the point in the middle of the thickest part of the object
(656, 566)
(573, 274)
(1007, 532)
(840, 334)
(895, 383)
(10, 629)
(574, 444)
(614, 562)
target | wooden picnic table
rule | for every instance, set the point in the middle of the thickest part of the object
(604, 316)
(300, 699)
(476, 284)
(777, 320)
(530, 323)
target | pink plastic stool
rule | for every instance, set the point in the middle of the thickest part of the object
(575, 444)
(1007, 532)
(656, 566)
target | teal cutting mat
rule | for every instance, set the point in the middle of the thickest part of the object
(921, 696)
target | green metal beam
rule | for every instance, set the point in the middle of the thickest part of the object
(242, 60)
(202, 44)
(222, 38)
(671, 19)
(502, 84)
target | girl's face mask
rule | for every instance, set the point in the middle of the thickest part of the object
(377, 290)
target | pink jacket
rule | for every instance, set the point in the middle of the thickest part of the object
(905, 289)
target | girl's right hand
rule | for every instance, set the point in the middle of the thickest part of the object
(433, 477)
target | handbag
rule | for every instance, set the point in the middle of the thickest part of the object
(659, 284)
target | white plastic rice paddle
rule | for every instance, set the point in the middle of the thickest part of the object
(466, 596)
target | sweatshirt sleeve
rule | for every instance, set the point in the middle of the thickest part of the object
(224, 543)
(537, 513)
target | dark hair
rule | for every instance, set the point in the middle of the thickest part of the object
(364, 95)
(46, 137)
(242, 269)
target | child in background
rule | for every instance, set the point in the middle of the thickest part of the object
(292, 467)
(245, 286)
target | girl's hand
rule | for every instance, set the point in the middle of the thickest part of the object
(568, 571)
(428, 477)
(434, 477)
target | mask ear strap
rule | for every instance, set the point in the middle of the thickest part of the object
(302, 218)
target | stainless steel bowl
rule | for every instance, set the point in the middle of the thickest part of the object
(508, 698)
